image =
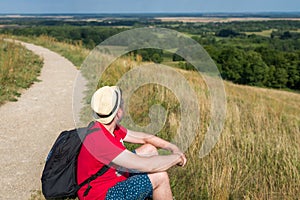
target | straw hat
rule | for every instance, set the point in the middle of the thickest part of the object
(105, 103)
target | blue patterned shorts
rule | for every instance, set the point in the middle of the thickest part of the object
(136, 187)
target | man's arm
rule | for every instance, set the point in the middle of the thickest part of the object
(144, 138)
(131, 161)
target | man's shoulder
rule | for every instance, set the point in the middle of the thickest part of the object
(95, 134)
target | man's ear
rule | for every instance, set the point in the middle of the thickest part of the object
(118, 114)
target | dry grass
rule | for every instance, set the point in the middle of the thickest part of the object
(75, 53)
(258, 154)
(19, 68)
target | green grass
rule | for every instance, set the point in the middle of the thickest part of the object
(19, 69)
(265, 33)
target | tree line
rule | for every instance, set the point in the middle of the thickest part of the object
(251, 59)
(257, 60)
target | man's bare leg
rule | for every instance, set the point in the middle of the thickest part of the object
(160, 180)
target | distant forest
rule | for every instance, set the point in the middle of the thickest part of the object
(257, 53)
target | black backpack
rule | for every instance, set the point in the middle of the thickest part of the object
(59, 178)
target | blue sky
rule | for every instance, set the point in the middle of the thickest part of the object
(129, 6)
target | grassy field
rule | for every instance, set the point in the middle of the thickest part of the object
(75, 53)
(265, 33)
(258, 154)
(19, 68)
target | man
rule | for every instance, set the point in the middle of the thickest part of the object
(105, 147)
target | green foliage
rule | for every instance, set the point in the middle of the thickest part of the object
(176, 57)
(256, 60)
(265, 61)
(153, 55)
(271, 60)
(238, 26)
(227, 33)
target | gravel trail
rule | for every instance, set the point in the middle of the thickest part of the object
(29, 126)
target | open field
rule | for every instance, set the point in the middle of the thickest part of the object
(267, 33)
(217, 19)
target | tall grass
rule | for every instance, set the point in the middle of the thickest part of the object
(19, 68)
(258, 154)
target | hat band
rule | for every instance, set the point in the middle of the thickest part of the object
(113, 110)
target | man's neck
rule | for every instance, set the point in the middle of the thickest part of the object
(110, 127)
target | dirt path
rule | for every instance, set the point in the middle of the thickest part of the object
(29, 126)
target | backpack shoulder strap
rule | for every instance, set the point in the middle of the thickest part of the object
(100, 172)
(83, 132)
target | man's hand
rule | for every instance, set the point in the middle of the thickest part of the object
(176, 150)
(144, 138)
(183, 160)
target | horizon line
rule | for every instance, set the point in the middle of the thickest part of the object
(154, 12)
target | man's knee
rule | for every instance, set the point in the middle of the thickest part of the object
(147, 150)
(158, 178)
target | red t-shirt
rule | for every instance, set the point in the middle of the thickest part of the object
(100, 148)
